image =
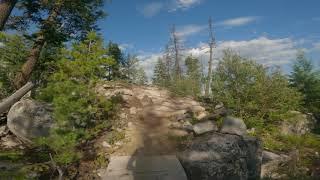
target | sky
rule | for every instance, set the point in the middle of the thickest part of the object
(268, 31)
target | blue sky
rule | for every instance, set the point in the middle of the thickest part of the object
(269, 31)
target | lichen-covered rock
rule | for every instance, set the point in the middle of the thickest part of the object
(30, 119)
(204, 127)
(222, 156)
(297, 124)
(232, 125)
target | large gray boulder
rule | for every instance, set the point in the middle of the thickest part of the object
(29, 119)
(232, 125)
(222, 156)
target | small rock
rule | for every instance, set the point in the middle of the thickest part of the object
(175, 125)
(118, 143)
(130, 124)
(202, 115)
(106, 145)
(9, 142)
(4, 130)
(218, 106)
(203, 127)
(269, 156)
(187, 126)
(251, 131)
(133, 110)
(232, 125)
(123, 115)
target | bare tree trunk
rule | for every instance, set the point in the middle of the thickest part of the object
(176, 50)
(6, 7)
(27, 68)
(211, 45)
(8, 102)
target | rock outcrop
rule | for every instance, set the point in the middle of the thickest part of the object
(222, 156)
(298, 124)
(30, 119)
(232, 125)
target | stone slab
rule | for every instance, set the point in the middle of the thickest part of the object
(144, 168)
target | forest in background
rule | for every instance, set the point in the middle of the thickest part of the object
(57, 46)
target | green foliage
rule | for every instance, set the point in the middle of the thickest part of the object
(114, 51)
(11, 156)
(160, 75)
(114, 136)
(193, 75)
(74, 20)
(13, 51)
(252, 90)
(77, 107)
(307, 81)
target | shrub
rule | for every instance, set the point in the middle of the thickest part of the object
(78, 109)
(251, 89)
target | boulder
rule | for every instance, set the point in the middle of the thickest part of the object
(268, 156)
(232, 125)
(298, 124)
(30, 119)
(204, 127)
(222, 156)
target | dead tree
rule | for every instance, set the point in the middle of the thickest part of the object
(176, 47)
(212, 44)
(6, 7)
(5, 104)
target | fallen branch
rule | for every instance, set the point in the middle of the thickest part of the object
(5, 104)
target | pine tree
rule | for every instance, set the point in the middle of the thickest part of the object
(58, 21)
(160, 74)
(114, 51)
(140, 76)
(307, 81)
(193, 74)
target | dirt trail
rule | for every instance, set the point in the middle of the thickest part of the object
(149, 128)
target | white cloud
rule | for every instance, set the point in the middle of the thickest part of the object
(190, 30)
(151, 9)
(239, 21)
(263, 50)
(148, 62)
(184, 4)
(316, 46)
(126, 46)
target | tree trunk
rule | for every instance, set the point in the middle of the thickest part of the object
(6, 7)
(27, 68)
(24, 75)
(8, 102)
(211, 45)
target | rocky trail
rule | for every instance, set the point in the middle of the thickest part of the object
(151, 116)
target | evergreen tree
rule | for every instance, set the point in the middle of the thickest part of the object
(193, 74)
(57, 22)
(307, 81)
(160, 74)
(114, 51)
(140, 77)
